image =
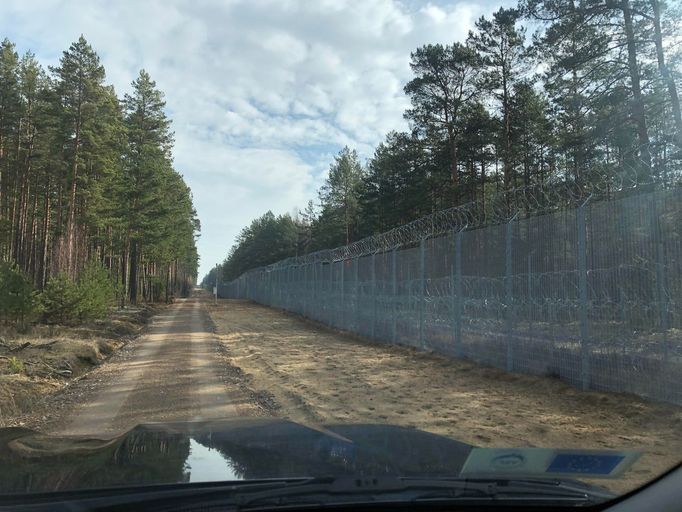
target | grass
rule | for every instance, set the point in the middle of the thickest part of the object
(55, 354)
(16, 365)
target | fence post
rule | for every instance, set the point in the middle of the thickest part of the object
(509, 291)
(304, 289)
(309, 289)
(529, 293)
(268, 287)
(582, 288)
(662, 297)
(330, 300)
(343, 294)
(457, 294)
(356, 312)
(280, 284)
(660, 275)
(318, 290)
(374, 296)
(422, 289)
(287, 287)
(296, 299)
(294, 291)
(297, 282)
(394, 289)
(313, 294)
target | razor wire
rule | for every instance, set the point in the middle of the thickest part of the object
(577, 279)
(553, 194)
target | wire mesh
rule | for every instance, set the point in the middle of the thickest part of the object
(589, 293)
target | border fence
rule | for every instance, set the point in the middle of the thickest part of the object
(588, 292)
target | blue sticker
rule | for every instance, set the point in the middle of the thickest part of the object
(584, 464)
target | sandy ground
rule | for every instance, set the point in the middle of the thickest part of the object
(316, 375)
(176, 371)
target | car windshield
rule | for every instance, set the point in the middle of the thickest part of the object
(431, 248)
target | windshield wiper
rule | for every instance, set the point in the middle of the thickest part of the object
(402, 489)
(318, 491)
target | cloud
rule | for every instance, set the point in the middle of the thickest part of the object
(262, 94)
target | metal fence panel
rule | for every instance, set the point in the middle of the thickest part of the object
(590, 295)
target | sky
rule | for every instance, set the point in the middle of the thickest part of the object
(262, 93)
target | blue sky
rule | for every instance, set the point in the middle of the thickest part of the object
(262, 93)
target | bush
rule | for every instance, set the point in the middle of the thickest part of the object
(97, 293)
(60, 300)
(16, 295)
(64, 301)
(16, 365)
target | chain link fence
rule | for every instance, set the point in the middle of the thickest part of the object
(589, 293)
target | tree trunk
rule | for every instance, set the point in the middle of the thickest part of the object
(637, 100)
(454, 173)
(31, 263)
(124, 271)
(167, 283)
(133, 272)
(507, 132)
(71, 220)
(665, 73)
(46, 237)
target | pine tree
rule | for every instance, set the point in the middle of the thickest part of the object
(80, 93)
(10, 114)
(501, 45)
(340, 196)
(147, 159)
(447, 79)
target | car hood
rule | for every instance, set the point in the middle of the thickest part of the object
(243, 449)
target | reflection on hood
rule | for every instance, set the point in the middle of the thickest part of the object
(242, 449)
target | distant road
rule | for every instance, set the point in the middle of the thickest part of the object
(173, 372)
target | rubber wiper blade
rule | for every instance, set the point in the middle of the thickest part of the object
(403, 489)
(526, 488)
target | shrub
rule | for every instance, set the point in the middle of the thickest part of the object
(67, 302)
(16, 365)
(97, 293)
(16, 295)
(60, 300)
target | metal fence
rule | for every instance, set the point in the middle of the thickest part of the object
(589, 294)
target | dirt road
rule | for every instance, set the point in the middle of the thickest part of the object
(176, 371)
(264, 361)
(317, 375)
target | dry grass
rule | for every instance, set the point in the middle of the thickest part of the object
(49, 357)
(321, 376)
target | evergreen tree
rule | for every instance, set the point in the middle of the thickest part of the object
(78, 182)
(82, 98)
(447, 79)
(10, 113)
(501, 45)
(147, 168)
(340, 196)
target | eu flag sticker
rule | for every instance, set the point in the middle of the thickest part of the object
(548, 462)
(585, 464)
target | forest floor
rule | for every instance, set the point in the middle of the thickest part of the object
(48, 358)
(316, 375)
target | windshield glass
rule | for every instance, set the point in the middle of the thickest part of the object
(268, 240)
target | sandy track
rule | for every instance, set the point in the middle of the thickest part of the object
(317, 375)
(176, 371)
